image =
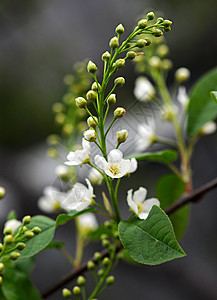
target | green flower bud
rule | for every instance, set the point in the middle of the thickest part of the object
(141, 43)
(166, 64)
(119, 29)
(100, 272)
(148, 42)
(67, 129)
(68, 79)
(110, 280)
(81, 281)
(103, 236)
(95, 87)
(25, 228)
(106, 56)
(111, 99)
(108, 224)
(76, 290)
(91, 95)
(66, 293)
(9, 239)
(26, 220)
(157, 32)
(36, 230)
(119, 82)
(2, 192)
(119, 112)
(106, 262)
(167, 23)
(90, 265)
(53, 139)
(60, 118)
(21, 246)
(91, 67)
(81, 102)
(97, 256)
(182, 74)
(1, 247)
(1, 267)
(92, 122)
(90, 135)
(142, 23)
(52, 152)
(28, 234)
(122, 136)
(150, 16)
(105, 243)
(120, 63)
(166, 29)
(162, 51)
(57, 107)
(160, 20)
(155, 62)
(14, 255)
(114, 43)
(1, 280)
(131, 55)
(7, 231)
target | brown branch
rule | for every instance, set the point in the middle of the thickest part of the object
(194, 197)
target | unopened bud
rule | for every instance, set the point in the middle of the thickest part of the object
(52, 152)
(142, 23)
(90, 265)
(105, 243)
(60, 118)
(96, 87)
(119, 82)
(67, 129)
(106, 56)
(57, 107)
(120, 63)
(106, 262)
(166, 29)
(2, 192)
(14, 255)
(111, 99)
(81, 280)
(163, 51)
(7, 231)
(167, 23)
(81, 102)
(21, 246)
(9, 239)
(150, 16)
(91, 122)
(97, 256)
(90, 135)
(119, 112)
(76, 290)
(182, 74)
(36, 230)
(91, 67)
(1, 280)
(1, 267)
(53, 139)
(155, 62)
(28, 234)
(91, 95)
(66, 293)
(148, 42)
(114, 43)
(141, 43)
(24, 228)
(158, 33)
(119, 29)
(110, 280)
(166, 64)
(1, 247)
(26, 220)
(122, 136)
(131, 55)
(160, 20)
(100, 272)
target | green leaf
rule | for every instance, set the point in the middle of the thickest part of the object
(164, 157)
(169, 189)
(17, 285)
(63, 218)
(201, 108)
(40, 241)
(55, 245)
(214, 95)
(151, 241)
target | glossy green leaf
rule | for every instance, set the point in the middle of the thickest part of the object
(201, 107)
(164, 157)
(151, 241)
(214, 95)
(63, 218)
(169, 189)
(40, 241)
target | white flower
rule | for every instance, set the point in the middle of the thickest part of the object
(79, 197)
(208, 128)
(79, 156)
(182, 97)
(182, 74)
(146, 137)
(116, 166)
(52, 200)
(13, 224)
(144, 90)
(90, 135)
(138, 204)
(95, 177)
(133, 165)
(87, 223)
(62, 171)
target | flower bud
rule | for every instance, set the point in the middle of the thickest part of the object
(208, 128)
(1, 247)
(90, 135)
(131, 55)
(57, 107)
(66, 293)
(81, 102)
(150, 16)
(163, 51)
(52, 152)
(111, 99)
(90, 265)
(26, 220)
(166, 29)
(141, 43)
(1, 280)
(97, 256)
(91, 67)
(21, 246)
(160, 20)
(14, 255)
(62, 172)
(166, 64)
(158, 32)
(114, 43)
(60, 118)
(25, 228)
(106, 56)
(155, 62)
(7, 231)
(105, 243)
(91, 122)
(95, 87)
(67, 129)
(9, 239)
(120, 63)
(36, 230)
(28, 234)
(2, 192)
(182, 74)
(148, 42)
(81, 281)
(1, 267)
(119, 112)
(100, 272)
(91, 95)
(110, 280)
(119, 29)
(103, 236)
(53, 139)
(106, 262)
(76, 290)
(122, 136)
(119, 82)
(142, 23)
(167, 23)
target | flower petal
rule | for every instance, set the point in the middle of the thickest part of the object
(86, 145)
(133, 165)
(143, 215)
(147, 205)
(131, 203)
(115, 155)
(100, 162)
(139, 195)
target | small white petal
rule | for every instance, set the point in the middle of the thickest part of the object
(130, 201)
(87, 222)
(144, 90)
(139, 195)
(133, 165)
(182, 96)
(115, 155)
(209, 128)
(13, 224)
(147, 205)
(86, 145)
(100, 161)
(143, 215)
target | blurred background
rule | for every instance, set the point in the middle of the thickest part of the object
(40, 41)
